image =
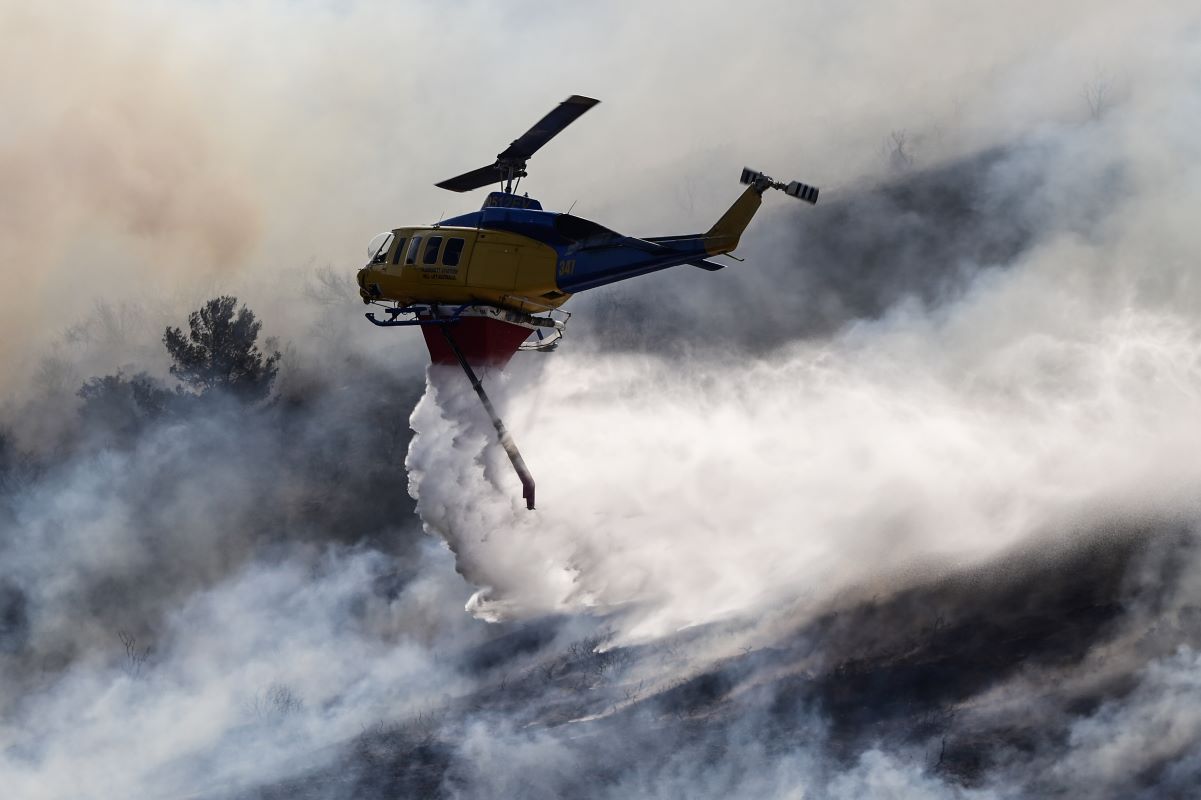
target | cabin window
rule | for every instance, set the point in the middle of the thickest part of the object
(400, 249)
(431, 250)
(454, 248)
(414, 249)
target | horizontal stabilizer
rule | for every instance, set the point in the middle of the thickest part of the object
(667, 240)
(660, 245)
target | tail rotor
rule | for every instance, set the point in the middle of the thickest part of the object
(761, 182)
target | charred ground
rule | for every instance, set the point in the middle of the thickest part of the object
(923, 671)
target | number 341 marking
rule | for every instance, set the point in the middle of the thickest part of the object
(566, 266)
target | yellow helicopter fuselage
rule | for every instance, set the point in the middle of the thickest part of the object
(456, 265)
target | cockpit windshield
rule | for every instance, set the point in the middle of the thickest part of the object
(377, 251)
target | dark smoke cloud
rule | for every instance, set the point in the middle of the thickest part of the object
(918, 237)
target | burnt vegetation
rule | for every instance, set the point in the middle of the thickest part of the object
(922, 672)
(217, 360)
(225, 381)
(224, 465)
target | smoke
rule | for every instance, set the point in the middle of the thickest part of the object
(1030, 399)
(280, 660)
(159, 152)
(905, 505)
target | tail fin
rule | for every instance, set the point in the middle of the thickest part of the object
(724, 235)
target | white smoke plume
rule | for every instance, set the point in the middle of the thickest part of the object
(1047, 397)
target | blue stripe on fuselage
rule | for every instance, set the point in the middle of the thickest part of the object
(586, 267)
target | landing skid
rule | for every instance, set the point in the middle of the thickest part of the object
(516, 310)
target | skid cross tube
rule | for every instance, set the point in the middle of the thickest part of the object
(506, 441)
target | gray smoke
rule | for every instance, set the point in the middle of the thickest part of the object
(903, 506)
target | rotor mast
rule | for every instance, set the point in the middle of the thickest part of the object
(511, 171)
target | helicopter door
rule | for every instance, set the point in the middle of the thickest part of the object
(494, 264)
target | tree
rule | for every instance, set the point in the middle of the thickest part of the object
(119, 406)
(1096, 97)
(220, 352)
(898, 158)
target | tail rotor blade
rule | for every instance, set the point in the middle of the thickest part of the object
(802, 191)
(749, 176)
(761, 182)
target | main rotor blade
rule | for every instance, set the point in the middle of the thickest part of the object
(474, 179)
(547, 128)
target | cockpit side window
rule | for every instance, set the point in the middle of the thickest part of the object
(414, 249)
(431, 249)
(377, 250)
(454, 248)
(399, 251)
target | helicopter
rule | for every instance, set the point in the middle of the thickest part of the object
(485, 285)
